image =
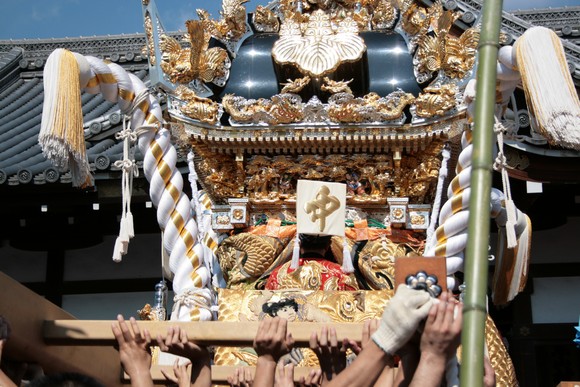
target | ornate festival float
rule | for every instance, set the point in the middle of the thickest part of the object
(376, 95)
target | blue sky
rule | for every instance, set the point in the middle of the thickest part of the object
(61, 18)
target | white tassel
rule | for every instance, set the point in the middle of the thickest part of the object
(118, 251)
(296, 253)
(549, 87)
(347, 266)
(123, 234)
(130, 225)
(510, 226)
(500, 165)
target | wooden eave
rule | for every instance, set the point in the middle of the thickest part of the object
(317, 138)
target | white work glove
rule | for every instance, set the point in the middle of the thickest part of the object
(401, 318)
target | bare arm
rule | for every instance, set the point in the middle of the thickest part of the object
(439, 342)
(134, 351)
(177, 343)
(387, 376)
(365, 369)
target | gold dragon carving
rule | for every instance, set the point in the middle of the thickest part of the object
(334, 87)
(280, 109)
(244, 257)
(197, 108)
(436, 101)
(295, 86)
(357, 109)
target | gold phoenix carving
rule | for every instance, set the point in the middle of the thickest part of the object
(183, 65)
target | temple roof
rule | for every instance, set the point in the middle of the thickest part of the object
(21, 91)
(21, 102)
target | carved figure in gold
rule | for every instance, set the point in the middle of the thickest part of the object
(314, 47)
(334, 87)
(183, 65)
(436, 101)
(377, 263)
(295, 86)
(232, 25)
(198, 108)
(442, 51)
(322, 207)
(260, 182)
(460, 53)
(281, 109)
(414, 18)
(289, 9)
(265, 20)
(384, 15)
(371, 108)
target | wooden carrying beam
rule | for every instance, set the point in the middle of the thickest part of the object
(219, 374)
(231, 334)
(26, 312)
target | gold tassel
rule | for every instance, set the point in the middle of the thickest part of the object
(61, 133)
(511, 268)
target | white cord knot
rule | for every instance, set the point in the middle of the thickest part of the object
(126, 133)
(500, 162)
(128, 166)
(193, 298)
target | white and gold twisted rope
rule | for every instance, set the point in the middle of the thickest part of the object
(186, 255)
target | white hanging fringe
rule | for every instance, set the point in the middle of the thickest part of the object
(550, 91)
(129, 170)
(500, 165)
(347, 266)
(296, 253)
(61, 135)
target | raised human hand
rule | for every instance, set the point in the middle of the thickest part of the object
(284, 375)
(401, 318)
(180, 374)
(177, 343)
(488, 373)
(242, 377)
(134, 350)
(313, 379)
(331, 355)
(442, 333)
(272, 340)
(369, 327)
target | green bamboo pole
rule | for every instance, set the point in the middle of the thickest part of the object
(476, 265)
